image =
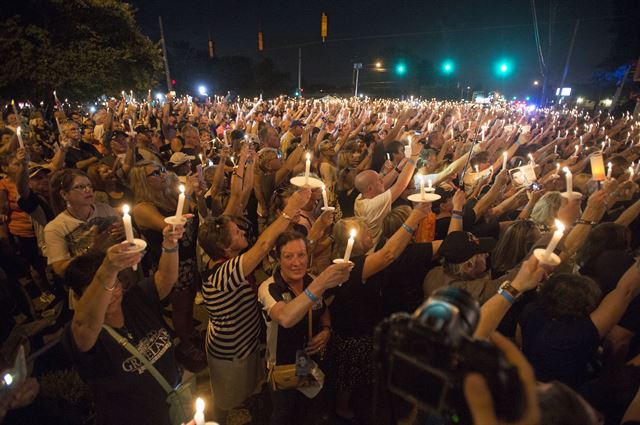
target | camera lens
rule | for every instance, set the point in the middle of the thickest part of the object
(439, 310)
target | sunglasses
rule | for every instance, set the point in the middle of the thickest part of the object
(157, 172)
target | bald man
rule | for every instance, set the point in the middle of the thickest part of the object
(374, 201)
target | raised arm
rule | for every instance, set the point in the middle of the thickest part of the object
(167, 274)
(407, 172)
(396, 244)
(90, 310)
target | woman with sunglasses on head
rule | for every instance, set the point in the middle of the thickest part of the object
(81, 223)
(125, 390)
(156, 198)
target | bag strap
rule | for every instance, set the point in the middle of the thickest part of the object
(309, 321)
(130, 348)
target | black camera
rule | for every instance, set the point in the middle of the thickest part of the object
(423, 359)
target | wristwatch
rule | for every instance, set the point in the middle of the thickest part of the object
(506, 287)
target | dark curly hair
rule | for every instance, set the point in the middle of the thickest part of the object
(566, 296)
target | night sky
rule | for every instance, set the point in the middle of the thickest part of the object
(474, 34)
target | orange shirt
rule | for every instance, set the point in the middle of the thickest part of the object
(19, 221)
(427, 228)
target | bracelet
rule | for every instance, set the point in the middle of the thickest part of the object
(457, 212)
(411, 161)
(312, 297)
(286, 216)
(112, 288)
(397, 170)
(456, 217)
(507, 296)
(408, 229)
(170, 250)
(590, 223)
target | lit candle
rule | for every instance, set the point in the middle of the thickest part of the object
(557, 169)
(202, 160)
(603, 145)
(555, 149)
(131, 126)
(126, 220)
(609, 169)
(421, 180)
(307, 169)
(580, 140)
(324, 196)
(597, 167)
(429, 186)
(504, 160)
(477, 169)
(388, 156)
(631, 173)
(233, 162)
(180, 202)
(347, 253)
(19, 134)
(55, 96)
(555, 239)
(198, 418)
(531, 161)
(569, 178)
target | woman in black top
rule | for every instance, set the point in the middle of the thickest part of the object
(155, 194)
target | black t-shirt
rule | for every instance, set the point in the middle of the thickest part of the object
(347, 202)
(357, 306)
(30, 203)
(286, 341)
(125, 393)
(402, 280)
(556, 349)
(83, 152)
(442, 228)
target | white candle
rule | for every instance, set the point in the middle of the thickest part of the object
(504, 160)
(555, 239)
(324, 196)
(631, 173)
(131, 126)
(557, 169)
(603, 144)
(609, 169)
(180, 202)
(202, 160)
(307, 169)
(347, 253)
(531, 161)
(430, 186)
(577, 149)
(19, 134)
(555, 149)
(55, 96)
(580, 140)
(198, 418)
(233, 162)
(388, 156)
(569, 178)
(477, 169)
(126, 220)
(421, 180)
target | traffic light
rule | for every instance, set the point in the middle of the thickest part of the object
(323, 27)
(503, 68)
(260, 41)
(401, 69)
(447, 67)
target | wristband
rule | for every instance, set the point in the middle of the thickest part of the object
(170, 250)
(112, 288)
(456, 217)
(590, 223)
(397, 170)
(456, 212)
(507, 296)
(411, 161)
(312, 297)
(286, 216)
(408, 229)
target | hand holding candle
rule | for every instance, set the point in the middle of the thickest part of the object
(19, 134)
(569, 180)
(555, 239)
(307, 169)
(324, 196)
(126, 220)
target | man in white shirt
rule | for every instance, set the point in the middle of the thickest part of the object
(374, 201)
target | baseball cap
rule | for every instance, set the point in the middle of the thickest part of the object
(180, 158)
(35, 169)
(296, 123)
(118, 133)
(460, 246)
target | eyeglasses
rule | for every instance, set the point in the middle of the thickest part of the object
(157, 172)
(83, 187)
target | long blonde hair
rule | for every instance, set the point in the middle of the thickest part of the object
(143, 193)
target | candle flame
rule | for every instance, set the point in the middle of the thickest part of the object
(181, 187)
(323, 188)
(308, 156)
(559, 226)
(504, 154)
(566, 170)
(199, 405)
(125, 209)
(352, 233)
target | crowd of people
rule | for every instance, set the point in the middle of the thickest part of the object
(257, 251)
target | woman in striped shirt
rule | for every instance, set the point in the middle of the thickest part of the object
(236, 367)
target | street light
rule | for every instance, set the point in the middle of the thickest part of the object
(535, 83)
(202, 90)
(378, 64)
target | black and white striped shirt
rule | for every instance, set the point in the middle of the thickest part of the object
(234, 312)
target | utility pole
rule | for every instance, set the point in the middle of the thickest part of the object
(566, 64)
(357, 67)
(300, 70)
(164, 54)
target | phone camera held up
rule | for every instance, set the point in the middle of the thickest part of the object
(423, 359)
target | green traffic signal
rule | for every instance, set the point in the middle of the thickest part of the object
(401, 69)
(447, 67)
